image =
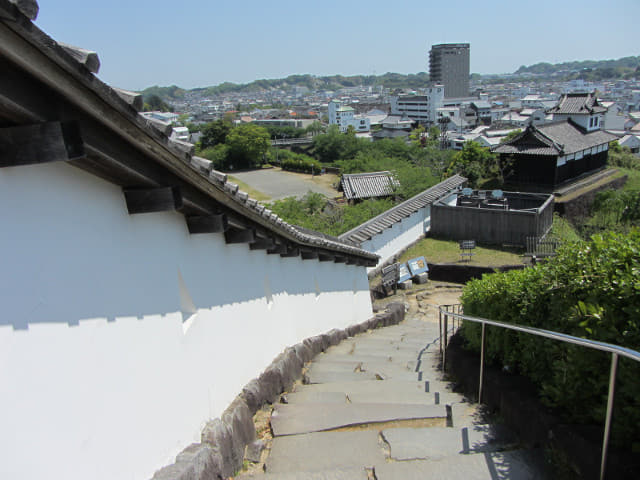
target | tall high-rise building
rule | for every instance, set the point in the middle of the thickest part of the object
(449, 66)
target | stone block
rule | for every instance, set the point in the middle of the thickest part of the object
(254, 396)
(196, 462)
(303, 352)
(240, 420)
(271, 383)
(336, 336)
(421, 278)
(254, 450)
(314, 344)
(406, 285)
(397, 310)
(218, 435)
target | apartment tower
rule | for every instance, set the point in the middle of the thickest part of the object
(449, 66)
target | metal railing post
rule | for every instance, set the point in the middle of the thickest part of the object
(615, 350)
(607, 422)
(440, 325)
(481, 366)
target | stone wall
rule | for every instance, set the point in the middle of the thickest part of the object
(580, 207)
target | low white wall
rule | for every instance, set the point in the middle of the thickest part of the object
(399, 236)
(121, 335)
(404, 233)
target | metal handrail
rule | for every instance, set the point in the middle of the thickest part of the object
(447, 311)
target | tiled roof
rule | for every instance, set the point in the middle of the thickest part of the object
(368, 185)
(578, 103)
(110, 125)
(398, 213)
(558, 138)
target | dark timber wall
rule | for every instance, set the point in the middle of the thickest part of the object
(495, 226)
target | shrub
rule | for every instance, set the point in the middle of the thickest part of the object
(591, 289)
(300, 163)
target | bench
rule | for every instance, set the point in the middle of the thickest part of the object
(465, 249)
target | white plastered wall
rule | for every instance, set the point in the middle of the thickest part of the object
(402, 234)
(121, 335)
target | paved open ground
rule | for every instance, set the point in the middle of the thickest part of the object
(278, 184)
(376, 407)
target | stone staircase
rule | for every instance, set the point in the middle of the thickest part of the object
(376, 407)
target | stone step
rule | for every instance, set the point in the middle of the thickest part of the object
(328, 373)
(514, 465)
(373, 387)
(332, 474)
(322, 451)
(316, 417)
(383, 396)
(437, 442)
(377, 357)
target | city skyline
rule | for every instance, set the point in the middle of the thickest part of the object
(198, 44)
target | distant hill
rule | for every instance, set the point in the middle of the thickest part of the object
(589, 70)
(625, 67)
(333, 82)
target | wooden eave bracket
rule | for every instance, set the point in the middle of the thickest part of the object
(40, 143)
(213, 223)
(147, 200)
(238, 235)
(308, 254)
(291, 252)
(326, 257)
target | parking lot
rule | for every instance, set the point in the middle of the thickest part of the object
(278, 184)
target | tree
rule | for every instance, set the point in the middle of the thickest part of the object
(214, 133)
(511, 135)
(315, 128)
(247, 144)
(474, 162)
(154, 103)
(417, 136)
(334, 145)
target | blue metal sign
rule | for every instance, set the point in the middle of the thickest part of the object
(418, 265)
(405, 274)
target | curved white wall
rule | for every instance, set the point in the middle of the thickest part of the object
(105, 370)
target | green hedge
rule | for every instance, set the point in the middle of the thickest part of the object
(298, 164)
(590, 290)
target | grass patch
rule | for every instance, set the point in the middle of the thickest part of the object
(562, 230)
(633, 179)
(253, 193)
(448, 251)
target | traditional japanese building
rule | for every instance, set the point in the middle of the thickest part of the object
(571, 145)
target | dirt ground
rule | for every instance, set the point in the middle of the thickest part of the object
(424, 300)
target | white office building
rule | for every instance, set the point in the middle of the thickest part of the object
(419, 108)
(343, 116)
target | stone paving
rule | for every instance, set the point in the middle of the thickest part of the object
(376, 407)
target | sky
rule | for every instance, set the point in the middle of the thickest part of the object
(199, 43)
